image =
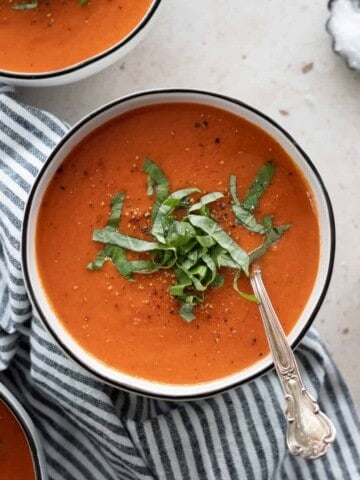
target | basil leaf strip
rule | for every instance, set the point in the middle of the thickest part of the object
(243, 215)
(116, 205)
(186, 311)
(258, 186)
(247, 219)
(156, 181)
(246, 296)
(110, 235)
(99, 261)
(26, 6)
(118, 257)
(223, 259)
(161, 222)
(180, 234)
(35, 4)
(272, 237)
(205, 200)
(244, 211)
(209, 226)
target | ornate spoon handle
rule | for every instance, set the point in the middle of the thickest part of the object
(309, 432)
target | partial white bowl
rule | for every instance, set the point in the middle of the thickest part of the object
(88, 67)
(343, 26)
(95, 120)
(28, 428)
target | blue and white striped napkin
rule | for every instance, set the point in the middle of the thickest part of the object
(91, 431)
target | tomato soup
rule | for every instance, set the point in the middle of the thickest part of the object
(134, 326)
(60, 33)
(15, 457)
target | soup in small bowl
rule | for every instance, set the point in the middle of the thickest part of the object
(21, 453)
(46, 43)
(141, 231)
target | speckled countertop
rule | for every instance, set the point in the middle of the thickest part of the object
(276, 56)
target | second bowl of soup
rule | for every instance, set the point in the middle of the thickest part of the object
(141, 231)
(52, 43)
(21, 452)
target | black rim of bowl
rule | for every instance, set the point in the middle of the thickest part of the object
(85, 63)
(203, 94)
(25, 428)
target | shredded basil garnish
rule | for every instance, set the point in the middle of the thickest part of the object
(111, 251)
(187, 239)
(116, 205)
(213, 229)
(204, 201)
(259, 185)
(156, 181)
(35, 4)
(272, 237)
(26, 6)
(244, 211)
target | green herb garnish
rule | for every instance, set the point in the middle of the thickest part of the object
(156, 182)
(26, 6)
(187, 239)
(35, 4)
(246, 296)
(271, 237)
(243, 211)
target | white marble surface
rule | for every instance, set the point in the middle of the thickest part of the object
(276, 56)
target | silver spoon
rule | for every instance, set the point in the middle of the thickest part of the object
(309, 431)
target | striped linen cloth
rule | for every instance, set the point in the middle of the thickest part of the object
(93, 431)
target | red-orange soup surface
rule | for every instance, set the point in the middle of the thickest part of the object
(15, 457)
(61, 33)
(134, 326)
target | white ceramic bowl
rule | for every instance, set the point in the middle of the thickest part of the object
(87, 67)
(28, 428)
(93, 121)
